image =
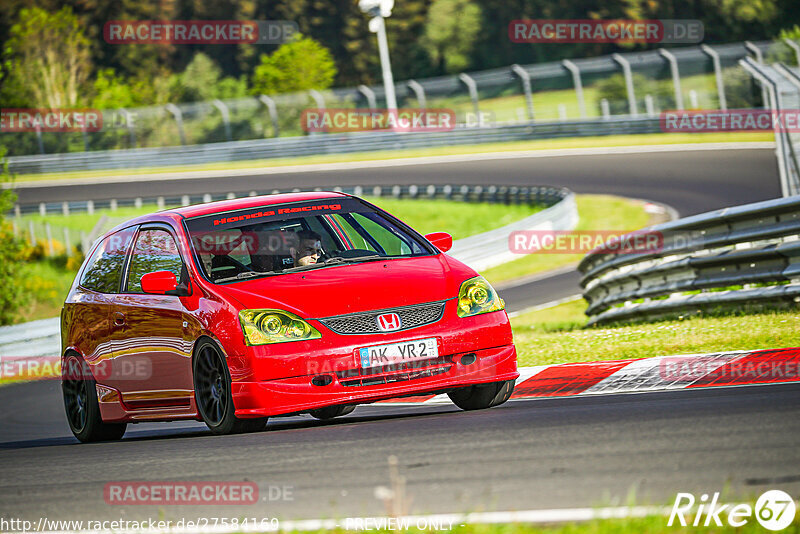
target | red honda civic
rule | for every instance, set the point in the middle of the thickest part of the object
(234, 311)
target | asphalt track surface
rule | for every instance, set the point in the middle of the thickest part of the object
(526, 454)
(690, 181)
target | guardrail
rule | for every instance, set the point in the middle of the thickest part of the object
(323, 144)
(739, 257)
(42, 338)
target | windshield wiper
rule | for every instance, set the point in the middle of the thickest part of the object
(244, 276)
(357, 259)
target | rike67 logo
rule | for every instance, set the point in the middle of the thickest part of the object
(774, 510)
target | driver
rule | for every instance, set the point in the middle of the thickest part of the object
(308, 248)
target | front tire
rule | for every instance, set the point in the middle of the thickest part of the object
(212, 393)
(81, 406)
(483, 395)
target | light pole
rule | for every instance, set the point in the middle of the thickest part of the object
(379, 10)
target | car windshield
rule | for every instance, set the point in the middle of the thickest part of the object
(283, 238)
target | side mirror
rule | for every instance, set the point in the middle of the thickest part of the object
(441, 240)
(159, 282)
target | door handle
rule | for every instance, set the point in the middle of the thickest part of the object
(119, 319)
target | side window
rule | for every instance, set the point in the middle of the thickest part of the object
(352, 234)
(392, 244)
(104, 268)
(155, 250)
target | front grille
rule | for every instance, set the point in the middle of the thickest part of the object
(367, 323)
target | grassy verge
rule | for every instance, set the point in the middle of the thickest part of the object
(554, 335)
(655, 524)
(540, 144)
(597, 212)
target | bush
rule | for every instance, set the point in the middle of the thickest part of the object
(741, 91)
(12, 296)
(615, 91)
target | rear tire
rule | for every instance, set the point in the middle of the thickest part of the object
(329, 412)
(212, 393)
(483, 395)
(81, 406)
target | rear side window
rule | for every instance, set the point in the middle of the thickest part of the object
(155, 250)
(104, 268)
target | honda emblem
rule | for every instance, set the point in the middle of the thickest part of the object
(388, 322)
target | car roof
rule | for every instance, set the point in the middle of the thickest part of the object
(222, 206)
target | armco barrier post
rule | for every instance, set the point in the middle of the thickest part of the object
(794, 46)
(419, 92)
(676, 78)
(178, 115)
(226, 117)
(319, 100)
(472, 87)
(526, 86)
(756, 51)
(626, 71)
(369, 94)
(576, 81)
(710, 52)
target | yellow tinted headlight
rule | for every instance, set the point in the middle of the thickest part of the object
(262, 327)
(477, 296)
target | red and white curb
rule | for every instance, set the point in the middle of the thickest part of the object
(662, 373)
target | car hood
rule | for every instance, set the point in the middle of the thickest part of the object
(353, 288)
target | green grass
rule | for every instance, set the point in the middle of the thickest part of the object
(554, 335)
(597, 212)
(460, 219)
(540, 144)
(47, 285)
(655, 524)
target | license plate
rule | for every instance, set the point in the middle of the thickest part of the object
(392, 353)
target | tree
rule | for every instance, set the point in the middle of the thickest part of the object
(450, 33)
(50, 57)
(298, 65)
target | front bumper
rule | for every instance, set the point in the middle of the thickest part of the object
(298, 394)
